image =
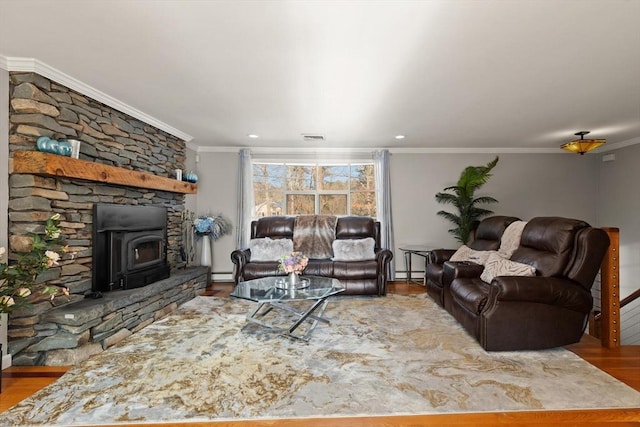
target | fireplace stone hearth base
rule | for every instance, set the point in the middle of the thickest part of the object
(78, 330)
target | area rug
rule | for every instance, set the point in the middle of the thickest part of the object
(395, 355)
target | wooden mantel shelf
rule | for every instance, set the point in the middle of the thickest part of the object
(38, 163)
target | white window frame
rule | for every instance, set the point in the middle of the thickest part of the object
(317, 192)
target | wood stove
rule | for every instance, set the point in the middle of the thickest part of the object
(129, 246)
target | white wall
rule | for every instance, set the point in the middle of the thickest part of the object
(525, 185)
(217, 173)
(618, 205)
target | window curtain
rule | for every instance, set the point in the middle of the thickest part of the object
(383, 203)
(245, 199)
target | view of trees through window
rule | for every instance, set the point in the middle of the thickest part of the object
(300, 189)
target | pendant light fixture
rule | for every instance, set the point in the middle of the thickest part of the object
(582, 145)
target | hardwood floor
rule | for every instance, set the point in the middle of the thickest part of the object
(19, 382)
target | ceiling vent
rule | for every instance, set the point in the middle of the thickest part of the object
(312, 137)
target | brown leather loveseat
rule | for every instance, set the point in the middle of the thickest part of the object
(359, 277)
(549, 306)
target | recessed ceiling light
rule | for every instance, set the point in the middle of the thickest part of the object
(399, 136)
(253, 135)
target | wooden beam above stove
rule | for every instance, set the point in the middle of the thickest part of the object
(39, 163)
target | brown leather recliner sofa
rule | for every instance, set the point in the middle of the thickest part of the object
(549, 308)
(359, 277)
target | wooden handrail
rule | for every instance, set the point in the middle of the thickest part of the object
(630, 298)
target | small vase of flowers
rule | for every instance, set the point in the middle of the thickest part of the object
(293, 264)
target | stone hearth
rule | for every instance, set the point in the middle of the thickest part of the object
(90, 326)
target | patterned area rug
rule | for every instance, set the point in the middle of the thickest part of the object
(380, 356)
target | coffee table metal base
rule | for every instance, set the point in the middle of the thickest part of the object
(312, 314)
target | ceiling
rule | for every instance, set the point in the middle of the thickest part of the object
(472, 75)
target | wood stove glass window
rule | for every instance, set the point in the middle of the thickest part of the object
(145, 250)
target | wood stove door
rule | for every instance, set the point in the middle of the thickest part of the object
(145, 251)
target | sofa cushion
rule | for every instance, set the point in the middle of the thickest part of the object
(497, 266)
(489, 231)
(319, 267)
(353, 249)
(267, 249)
(356, 227)
(273, 226)
(258, 269)
(547, 243)
(351, 270)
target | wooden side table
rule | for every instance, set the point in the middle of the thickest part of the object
(419, 250)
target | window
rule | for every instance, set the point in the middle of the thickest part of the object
(299, 189)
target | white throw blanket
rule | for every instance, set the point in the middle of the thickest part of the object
(511, 239)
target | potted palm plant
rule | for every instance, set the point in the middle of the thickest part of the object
(462, 197)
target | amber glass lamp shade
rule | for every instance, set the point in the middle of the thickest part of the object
(582, 145)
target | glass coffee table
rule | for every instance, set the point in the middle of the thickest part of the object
(306, 302)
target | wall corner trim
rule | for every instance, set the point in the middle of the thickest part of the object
(45, 70)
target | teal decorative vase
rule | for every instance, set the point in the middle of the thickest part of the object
(42, 142)
(64, 148)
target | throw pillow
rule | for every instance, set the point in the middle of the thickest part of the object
(354, 249)
(498, 266)
(270, 249)
(511, 239)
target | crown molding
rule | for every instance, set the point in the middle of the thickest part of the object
(45, 70)
(418, 150)
(192, 146)
(288, 150)
(406, 150)
(618, 145)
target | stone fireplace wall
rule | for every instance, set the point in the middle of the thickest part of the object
(42, 107)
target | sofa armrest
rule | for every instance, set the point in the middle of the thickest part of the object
(458, 269)
(383, 259)
(440, 256)
(383, 256)
(240, 257)
(543, 290)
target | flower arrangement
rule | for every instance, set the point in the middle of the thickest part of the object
(17, 280)
(293, 263)
(214, 226)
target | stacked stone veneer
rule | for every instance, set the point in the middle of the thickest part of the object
(42, 107)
